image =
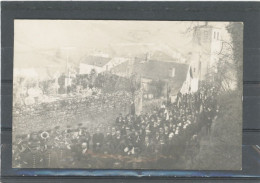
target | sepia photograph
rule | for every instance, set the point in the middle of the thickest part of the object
(110, 94)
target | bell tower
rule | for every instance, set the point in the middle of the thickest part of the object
(206, 48)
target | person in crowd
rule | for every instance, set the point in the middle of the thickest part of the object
(144, 140)
(98, 140)
(32, 155)
(132, 112)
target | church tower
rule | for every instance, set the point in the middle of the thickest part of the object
(206, 48)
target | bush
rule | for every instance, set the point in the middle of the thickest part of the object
(225, 141)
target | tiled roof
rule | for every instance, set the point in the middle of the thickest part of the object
(95, 60)
(160, 70)
(157, 70)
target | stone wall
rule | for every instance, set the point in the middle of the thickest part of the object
(88, 111)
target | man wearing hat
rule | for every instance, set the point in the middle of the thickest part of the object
(19, 150)
(98, 140)
(132, 109)
(147, 147)
(170, 145)
(108, 147)
(50, 157)
(119, 119)
(80, 154)
(85, 136)
(32, 156)
(208, 119)
(117, 142)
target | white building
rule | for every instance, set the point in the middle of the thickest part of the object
(207, 45)
(99, 64)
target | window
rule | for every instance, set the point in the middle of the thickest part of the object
(206, 34)
(217, 35)
(214, 35)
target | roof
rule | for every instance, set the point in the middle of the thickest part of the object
(37, 73)
(159, 55)
(120, 67)
(158, 70)
(95, 60)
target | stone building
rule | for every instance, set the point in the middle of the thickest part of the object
(206, 47)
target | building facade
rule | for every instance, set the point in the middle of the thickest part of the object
(207, 45)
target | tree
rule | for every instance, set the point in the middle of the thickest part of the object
(227, 73)
(229, 67)
(193, 30)
(44, 86)
(225, 138)
(236, 31)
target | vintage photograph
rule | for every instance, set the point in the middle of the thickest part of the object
(107, 94)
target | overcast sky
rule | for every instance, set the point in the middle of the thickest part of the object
(39, 43)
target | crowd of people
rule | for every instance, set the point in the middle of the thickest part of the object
(157, 139)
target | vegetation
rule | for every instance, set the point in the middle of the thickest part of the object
(224, 144)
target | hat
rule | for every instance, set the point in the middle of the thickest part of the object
(44, 135)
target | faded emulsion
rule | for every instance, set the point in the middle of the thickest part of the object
(103, 94)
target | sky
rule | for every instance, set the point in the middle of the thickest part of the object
(42, 43)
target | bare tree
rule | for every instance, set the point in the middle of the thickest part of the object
(230, 62)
